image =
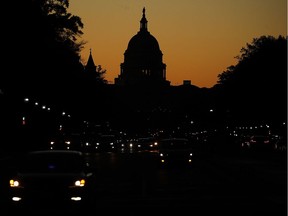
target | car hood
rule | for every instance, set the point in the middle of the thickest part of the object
(176, 151)
(51, 175)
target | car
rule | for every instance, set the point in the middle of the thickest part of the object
(261, 143)
(244, 140)
(50, 176)
(146, 144)
(65, 142)
(175, 151)
(106, 143)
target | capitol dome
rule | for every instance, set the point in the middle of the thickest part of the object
(142, 59)
(143, 42)
(143, 49)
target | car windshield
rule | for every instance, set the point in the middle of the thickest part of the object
(52, 163)
(174, 144)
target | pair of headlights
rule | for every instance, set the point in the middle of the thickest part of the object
(165, 155)
(77, 183)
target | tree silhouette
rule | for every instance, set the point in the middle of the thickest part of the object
(256, 87)
(42, 58)
(44, 41)
(100, 75)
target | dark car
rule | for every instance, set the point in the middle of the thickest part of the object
(175, 150)
(146, 144)
(50, 176)
(106, 143)
(261, 143)
(65, 142)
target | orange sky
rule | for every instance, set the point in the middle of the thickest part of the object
(198, 38)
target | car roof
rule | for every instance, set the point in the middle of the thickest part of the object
(56, 152)
(174, 138)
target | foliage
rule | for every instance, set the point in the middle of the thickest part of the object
(257, 62)
(100, 75)
(67, 27)
(45, 37)
(257, 84)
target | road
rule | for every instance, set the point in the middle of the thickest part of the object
(222, 184)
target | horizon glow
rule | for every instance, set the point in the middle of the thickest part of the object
(198, 39)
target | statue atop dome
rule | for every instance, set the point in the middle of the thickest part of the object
(143, 22)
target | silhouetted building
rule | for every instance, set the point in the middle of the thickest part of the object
(143, 63)
(187, 82)
(90, 67)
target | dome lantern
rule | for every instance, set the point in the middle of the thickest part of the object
(143, 22)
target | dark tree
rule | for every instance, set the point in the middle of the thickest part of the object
(42, 61)
(44, 52)
(100, 75)
(256, 87)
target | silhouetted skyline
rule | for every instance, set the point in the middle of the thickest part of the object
(190, 33)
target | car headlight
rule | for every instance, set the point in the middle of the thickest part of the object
(80, 183)
(14, 183)
(162, 157)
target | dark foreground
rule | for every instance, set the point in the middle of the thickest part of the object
(135, 184)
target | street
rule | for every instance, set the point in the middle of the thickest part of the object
(136, 184)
